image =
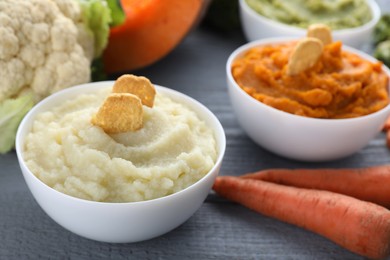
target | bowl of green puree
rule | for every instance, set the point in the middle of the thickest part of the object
(351, 21)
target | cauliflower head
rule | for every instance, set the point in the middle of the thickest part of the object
(45, 46)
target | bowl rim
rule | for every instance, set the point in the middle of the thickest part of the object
(85, 89)
(373, 5)
(254, 102)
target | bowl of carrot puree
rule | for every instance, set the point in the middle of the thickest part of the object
(329, 111)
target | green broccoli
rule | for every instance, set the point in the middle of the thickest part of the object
(382, 52)
(382, 29)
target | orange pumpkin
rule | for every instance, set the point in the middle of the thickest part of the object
(151, 30)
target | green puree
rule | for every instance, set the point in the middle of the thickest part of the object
(338, 14)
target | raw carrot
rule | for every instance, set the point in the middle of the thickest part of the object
(151, 30)
(388, 139)
(386, 127)
(359, 226)
(369, 184)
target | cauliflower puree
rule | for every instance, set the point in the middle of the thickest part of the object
(173, 150)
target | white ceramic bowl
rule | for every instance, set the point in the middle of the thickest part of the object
(119, 222)
(256, 26)
(298, 137)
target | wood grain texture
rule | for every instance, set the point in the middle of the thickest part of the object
(219, 229)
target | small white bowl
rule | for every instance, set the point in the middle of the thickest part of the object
(119, 222)
(256, 26)
(297, 137)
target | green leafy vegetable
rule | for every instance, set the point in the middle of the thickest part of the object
(12, 112)
(117, 14)
(97, 17)
(382, 52)
(382, 29)
(97, 70)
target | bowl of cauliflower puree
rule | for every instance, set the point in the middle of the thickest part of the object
(123, 186)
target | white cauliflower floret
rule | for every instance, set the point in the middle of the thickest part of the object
(70, 9)
(44, 45)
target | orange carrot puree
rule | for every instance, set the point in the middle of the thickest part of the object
(340, 85)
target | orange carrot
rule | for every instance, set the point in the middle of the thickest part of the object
(369, 184)
(359, 226)
(386, 127)
(151, 30)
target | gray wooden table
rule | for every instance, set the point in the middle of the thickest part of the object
(219, 229)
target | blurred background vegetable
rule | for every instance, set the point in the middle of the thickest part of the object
(382, 52)
(382, 40)
(382, 29)
(152, 29)
(12, 111)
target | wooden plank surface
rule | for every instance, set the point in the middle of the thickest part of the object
(219, 229)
